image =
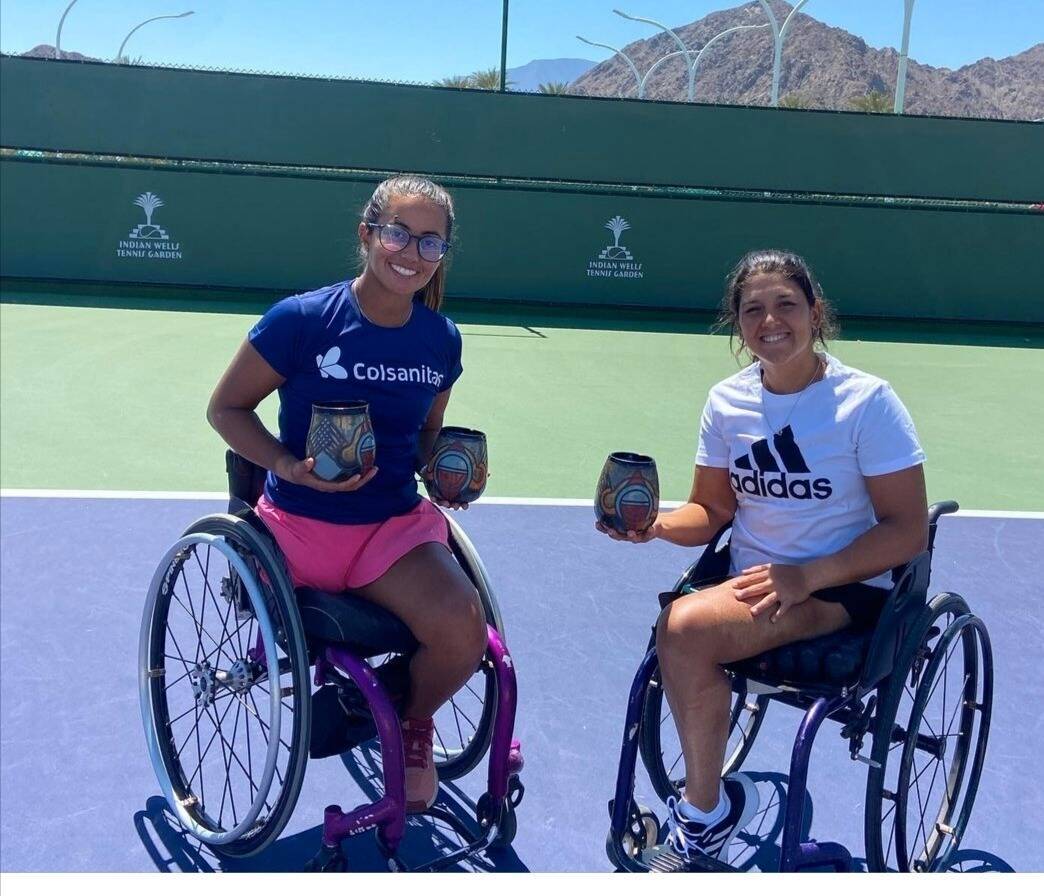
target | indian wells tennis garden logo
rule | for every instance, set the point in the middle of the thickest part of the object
(148, 240)
(615, 260)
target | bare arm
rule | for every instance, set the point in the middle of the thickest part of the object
(232, 411)
(430, 428)
(711, 504)
(901, 508)
(901, 532)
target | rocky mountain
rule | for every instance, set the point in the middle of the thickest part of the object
(530, 76)
(46, 51)
(822, 68)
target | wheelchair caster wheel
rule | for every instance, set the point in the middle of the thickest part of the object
(643, 833)
(503, 816)
(328, 859)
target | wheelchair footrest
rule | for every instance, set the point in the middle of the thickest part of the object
(662, 859)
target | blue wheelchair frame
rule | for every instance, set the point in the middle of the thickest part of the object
(869, 673)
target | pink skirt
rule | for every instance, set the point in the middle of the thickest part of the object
(336, 557)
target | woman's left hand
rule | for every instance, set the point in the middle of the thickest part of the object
(776, 584)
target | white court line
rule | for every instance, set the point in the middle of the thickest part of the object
(535, 502)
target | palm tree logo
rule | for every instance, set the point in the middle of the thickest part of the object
(149, 202)
(617, 225)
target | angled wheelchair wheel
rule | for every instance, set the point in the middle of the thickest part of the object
(930, 738)
(464, 725)
(661, 748)
(225, 697)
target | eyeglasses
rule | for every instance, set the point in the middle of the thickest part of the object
(395, 238)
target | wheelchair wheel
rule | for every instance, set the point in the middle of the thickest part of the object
(930, 739)
(225, 697)
(661, 748)
(464, 725)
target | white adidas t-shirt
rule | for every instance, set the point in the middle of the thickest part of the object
(800, 494)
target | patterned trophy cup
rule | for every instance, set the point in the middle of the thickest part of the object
(340, 438)
(628, 495)
(458, 465)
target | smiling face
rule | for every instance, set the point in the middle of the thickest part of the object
(776, 321)
(403, 273)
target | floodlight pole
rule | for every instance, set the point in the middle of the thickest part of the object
(58, 38)
(778, 33)
(619, 53)
(706, 46)
(681, 46)
(119, 52)
(900, 80)
(503, 48)
(655, 65)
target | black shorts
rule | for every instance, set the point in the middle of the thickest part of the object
(861, 601)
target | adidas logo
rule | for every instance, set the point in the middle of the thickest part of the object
(758, 472)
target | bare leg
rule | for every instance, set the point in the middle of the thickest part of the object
(429, 591)
(694, 635)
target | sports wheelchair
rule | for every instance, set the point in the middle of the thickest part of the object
(230, 718)
(920, 683)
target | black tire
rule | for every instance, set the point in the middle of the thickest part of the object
(464, 725)
(208, 717)
(661, 749)
(940, 693)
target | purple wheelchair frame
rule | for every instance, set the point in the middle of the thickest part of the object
(387, 816)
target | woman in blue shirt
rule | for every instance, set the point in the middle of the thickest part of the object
(378, 338)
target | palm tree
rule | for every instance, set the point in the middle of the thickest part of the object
(488, 79)
(454, 81)
(874, 101)
(558, 87)
(795, 100)
(617, 225)
(150, 202)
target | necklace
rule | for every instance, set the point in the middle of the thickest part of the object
(402, 323)
(793, 407)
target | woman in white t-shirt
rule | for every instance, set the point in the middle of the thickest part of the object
(818, 467)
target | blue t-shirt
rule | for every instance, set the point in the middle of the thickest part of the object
(328, 351)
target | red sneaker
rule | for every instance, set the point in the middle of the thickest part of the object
(422, 781)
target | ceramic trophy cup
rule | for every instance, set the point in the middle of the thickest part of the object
(628, 495)
(458, 465)
(340, 438)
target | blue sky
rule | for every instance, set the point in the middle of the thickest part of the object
(421, 40)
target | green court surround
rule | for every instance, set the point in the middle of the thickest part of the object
(97, 397)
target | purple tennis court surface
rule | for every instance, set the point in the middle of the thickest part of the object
(79, 793)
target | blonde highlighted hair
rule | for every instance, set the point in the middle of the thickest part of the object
(414, 185)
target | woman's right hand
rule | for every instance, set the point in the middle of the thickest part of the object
(632, 536)
(299, 472)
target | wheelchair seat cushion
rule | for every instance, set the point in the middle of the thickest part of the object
(835, 660)
(350, 621)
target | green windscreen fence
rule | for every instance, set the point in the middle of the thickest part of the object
(132, 174)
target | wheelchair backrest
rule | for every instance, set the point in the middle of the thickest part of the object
(246, 481)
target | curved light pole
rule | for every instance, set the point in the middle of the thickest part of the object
(58, 39)
(684, 50)
(705, 47)
(778, 33)
(652, 68)
(900, 80)
(620, 53)
(119, 52)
